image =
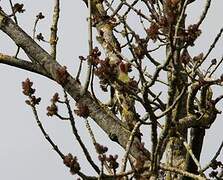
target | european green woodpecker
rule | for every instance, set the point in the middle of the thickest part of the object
(123, 72)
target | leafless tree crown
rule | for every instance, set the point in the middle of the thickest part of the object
(139, 47)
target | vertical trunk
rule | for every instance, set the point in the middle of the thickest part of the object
(196, 142)
(175, 150)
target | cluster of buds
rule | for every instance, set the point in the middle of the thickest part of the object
(62, 75)
(191, 34)
(169, 19)
(40, 37)
(112, 162)
(171, 11)
(103, 69)
(215, 165)
(94, 57)
(153, 31)
(18, 8)
(40, 16)
(82, 110)
(106, 72)
(72, 163)
(52, 109)
(100, 149)
(29, 91)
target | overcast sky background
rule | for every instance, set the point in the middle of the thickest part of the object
(24, 153)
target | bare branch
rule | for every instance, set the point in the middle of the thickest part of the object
(189, 150)
(179, 21)
(23, 64)
(55, 147)
(128, 146)
(214, 158)
(182, 172)
(54, 27)
(219, 63)
(75, 132)
(173, 105)
(90, 46)
(204, 13)
(102, 115)
(212, 46)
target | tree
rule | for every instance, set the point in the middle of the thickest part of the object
(126, 66)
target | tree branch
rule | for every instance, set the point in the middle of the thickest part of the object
(101, 115)
(53, 35)
(23, 64)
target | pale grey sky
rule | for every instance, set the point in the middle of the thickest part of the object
(24, 153)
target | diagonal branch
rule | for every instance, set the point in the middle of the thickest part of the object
(23, 64)
(101, 115)
(204, 13)
(55, 147)
(128, 146)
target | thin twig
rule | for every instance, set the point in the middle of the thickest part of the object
(55, 147)
(212, 46)
(173, 105)
(204, 13)
(16, 21)
(54, 28)
(218, 99)
(79, 70)
(208, 69)
(152, 60)
(92, 86)
(61, 117)
(179, 21)
(159, 46)
(90, 46)
(23, 64)
(90, 131)
(219, 63)
(34, 27)
(115, 12)
(94, 143)
(213, 159)
(189, 150)
(75, 132)
(13, 12)
(138, 12)
(128, 146)
(158, 69)
(182, 172)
